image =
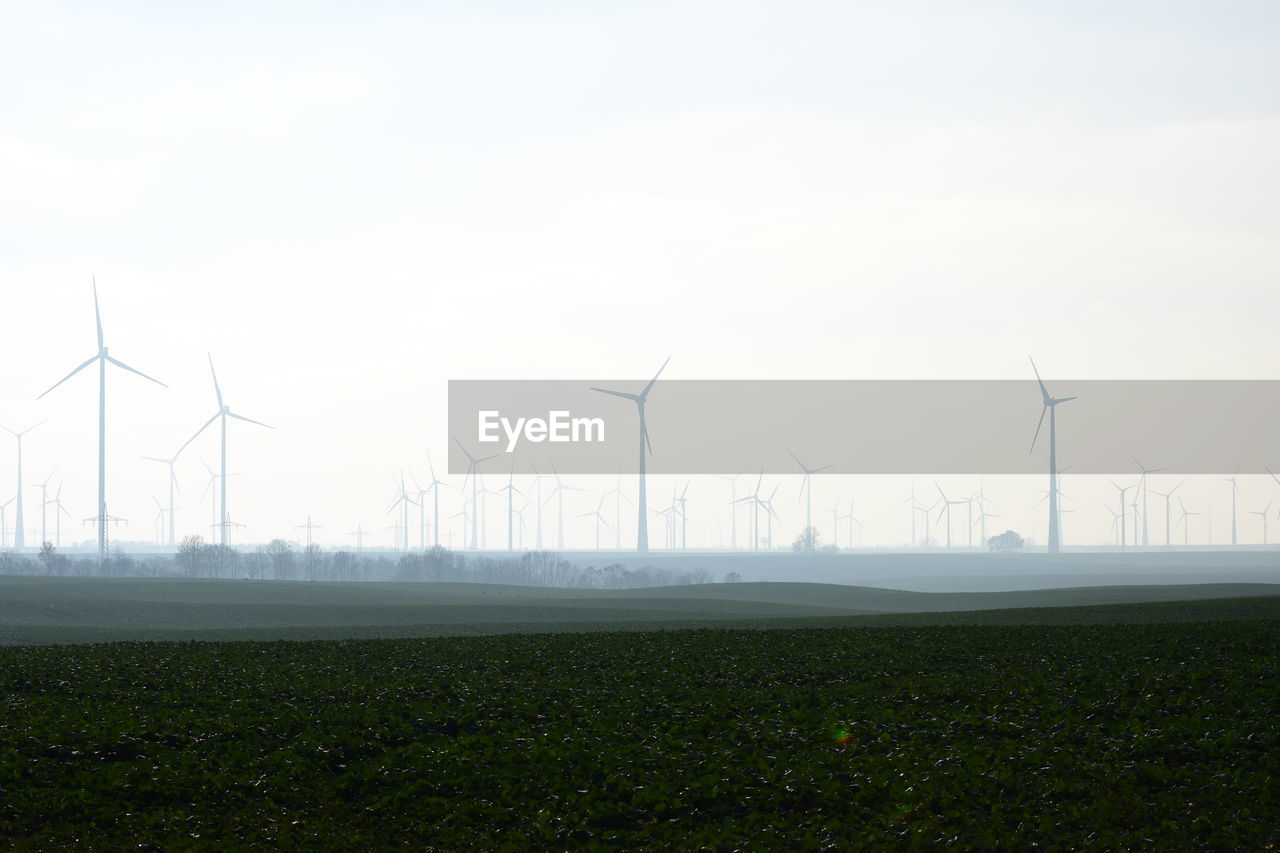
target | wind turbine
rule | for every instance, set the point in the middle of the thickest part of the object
(19, 540)
(1263, 515)
(806, 486)
(1142, 487)
(173, 484)
(619, 497)
(473, 471)
(770, 515)
(733, 509)
(224, 412)
(946, 508)
(1184, 524)
(434, 488)
(44, 507)
(915, 507)
(558, 494)
(402, 501)
(1235, 490)
(1121, 490)
(1168, 529)
(57, 516)
(512, 491)
(642, 523)
(1050, 406)
(599, 517)
(754, 499)
(102, 357)
(684, 519)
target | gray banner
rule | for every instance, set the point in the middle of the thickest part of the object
(927, 427)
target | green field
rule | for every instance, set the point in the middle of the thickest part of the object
(1150, 733)
(77, 609)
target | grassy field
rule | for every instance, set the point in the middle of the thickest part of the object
(37, 610)
(1160, 730)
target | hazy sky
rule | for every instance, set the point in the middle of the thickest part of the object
(350, 204)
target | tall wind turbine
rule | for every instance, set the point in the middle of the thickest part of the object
(806, 486)
(473, 471)
(57, 516)
(1263, 515)
(434, 488)
(224, 412)
(618, 498)
(947, 503)
(19, 540)
(102, 357)
(733, 509)
(1142, 487)
(44, 507)
(173, 484)
(1121, 515)
(1235, 490)
(1050, 406)
(599, 517)
(642, 524)
(1184, 524)
(1168, 496)
(558, 494)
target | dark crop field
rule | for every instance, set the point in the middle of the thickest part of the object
(1124, 736)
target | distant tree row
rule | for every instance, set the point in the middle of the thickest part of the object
(279, 560)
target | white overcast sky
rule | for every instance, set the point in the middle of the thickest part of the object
(350, 204)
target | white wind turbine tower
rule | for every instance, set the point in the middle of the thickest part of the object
(224, 412)
(1235, 490)
(434, 488)
(806, 486)
(19, 540)
(44, 507)
(558, 494)
(733, 509)
(473, 471)
(1142, 487)
(946, 509)
(1050, 406)
(618, 498)
(754, 500)
(1121, 490)
(915, 508)
(512, 491)
(57, 516)
(684, 519)
(173, 484)
(770, 515)
(599, 517)
(1184, 524)
(102, 357)
(1263, 515)
(402, 501)
(1168, 497)
(642, 523)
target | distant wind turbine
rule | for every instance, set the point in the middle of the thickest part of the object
(599, 517)
(1184, 524)
(102, 357)
(1168, 496)
(57, 516)
(806, 486)
(224, 412)
(1050, 405)
(1121, 490)
(19, 540)
(642, 524)
(473, 471)
(1142, 487)
(173, 485)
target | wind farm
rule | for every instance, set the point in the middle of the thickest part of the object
(627, 430)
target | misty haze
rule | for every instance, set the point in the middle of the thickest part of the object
(679, 427)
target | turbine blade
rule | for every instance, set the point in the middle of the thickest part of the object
(217, 389)
(248, 420)
(1044, 392)
(823, 468)
(118, 363)
(97, 315)
(197, 435)
(621, 394)
(649, 387)
(1038, 425)
(798, 462)
(87, 362)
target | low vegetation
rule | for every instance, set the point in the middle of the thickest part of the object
(1121, 736)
